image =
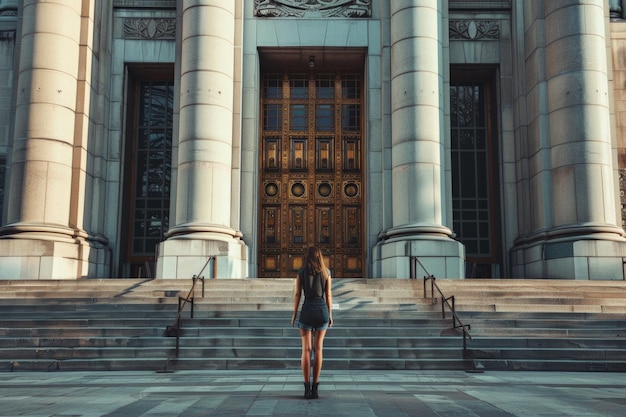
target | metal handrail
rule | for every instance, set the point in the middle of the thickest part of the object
(175, 329)
(445, 301)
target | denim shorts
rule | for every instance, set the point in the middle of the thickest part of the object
(314, 315)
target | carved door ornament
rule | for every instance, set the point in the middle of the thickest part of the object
(313, 8)
(147, 28)
(474, 30)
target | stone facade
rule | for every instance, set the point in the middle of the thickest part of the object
(554, 72)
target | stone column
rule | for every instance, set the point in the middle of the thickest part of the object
(40, 240)
(417, 145)
(578, 107)
(572, 231)
(203, 224)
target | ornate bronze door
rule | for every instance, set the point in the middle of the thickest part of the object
(311, 187)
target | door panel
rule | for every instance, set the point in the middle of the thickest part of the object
(311, 183)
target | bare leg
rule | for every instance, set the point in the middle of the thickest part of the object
(319, 346)
(306, 354)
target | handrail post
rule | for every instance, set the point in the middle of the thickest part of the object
(443, 308)
(178, 323)
(453, 312)
(432, 285)
(464, 345)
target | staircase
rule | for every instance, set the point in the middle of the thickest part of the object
(536, 325)
(120, 324)
(239, 324)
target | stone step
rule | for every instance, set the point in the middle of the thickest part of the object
(244, 340)
(550, 333)
(462, 307)
(200, 319)
(55, 332)
(205, 309)
(267, 352)
(165, 365)
(539, 342)
(547, 322)
(477, 315)
(517, 284)
(113, 332)
(172, 288)
(512, 299)
(8, 345)
(589, 354)
(540, 364)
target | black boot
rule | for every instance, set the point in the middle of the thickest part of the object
(314, 394)
(307, 390)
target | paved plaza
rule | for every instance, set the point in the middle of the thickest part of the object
(342, 393)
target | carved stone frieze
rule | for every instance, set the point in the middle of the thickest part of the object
(474, 30)
(313, 8)
(147, 28)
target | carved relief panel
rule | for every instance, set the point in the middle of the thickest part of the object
(313, 8)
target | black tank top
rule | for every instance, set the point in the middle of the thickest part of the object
(313, 285)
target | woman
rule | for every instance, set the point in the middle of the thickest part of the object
(316, 314)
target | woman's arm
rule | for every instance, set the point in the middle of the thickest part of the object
(329, 299)
(297, 293)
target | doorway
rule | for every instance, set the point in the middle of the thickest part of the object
(311, 170)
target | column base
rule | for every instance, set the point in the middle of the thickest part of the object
(590, 258)
(32, 258)
(442, 257)
(183, 256)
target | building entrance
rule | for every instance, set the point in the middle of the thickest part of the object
(311, 180)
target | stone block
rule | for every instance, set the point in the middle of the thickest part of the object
(560, 268)
(285, 33)
(581, 266)
(358, 35)
(373, 38)
(606, 268)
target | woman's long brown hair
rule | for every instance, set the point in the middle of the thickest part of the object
(315, 262)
